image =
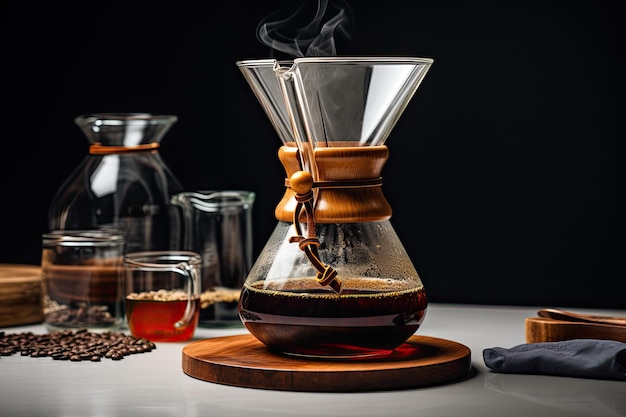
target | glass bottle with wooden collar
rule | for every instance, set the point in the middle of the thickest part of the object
(122, 182)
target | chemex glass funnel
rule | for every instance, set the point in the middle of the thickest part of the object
(333, 280)
(335, 101)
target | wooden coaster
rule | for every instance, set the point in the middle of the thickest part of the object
(20, 295)
(244, 361)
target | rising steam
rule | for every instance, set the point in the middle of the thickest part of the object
(309, 31)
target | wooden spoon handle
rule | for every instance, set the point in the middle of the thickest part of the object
(542, 329)
(557, 314)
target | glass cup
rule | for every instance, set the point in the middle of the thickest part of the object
(163, 294)
(82, 274)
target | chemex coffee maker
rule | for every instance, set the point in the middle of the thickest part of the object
(333, 280)
(333, 301)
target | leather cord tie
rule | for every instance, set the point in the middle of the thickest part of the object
(326, 275)
(99, 149)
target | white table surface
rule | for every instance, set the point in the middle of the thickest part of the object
(153, 384)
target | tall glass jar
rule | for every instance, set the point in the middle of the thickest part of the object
(122, 182)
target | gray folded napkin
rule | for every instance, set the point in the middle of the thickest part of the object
(580, 358)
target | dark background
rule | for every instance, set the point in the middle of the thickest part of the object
(506, 170)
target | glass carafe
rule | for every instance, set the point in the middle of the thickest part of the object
(122, 182)
(333, 280)
(218, 226)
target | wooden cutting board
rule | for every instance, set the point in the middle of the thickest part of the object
(20, 295)
(243, 361)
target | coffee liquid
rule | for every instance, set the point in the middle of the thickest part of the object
(369, 317)
(154, 318)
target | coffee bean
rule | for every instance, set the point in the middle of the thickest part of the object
(78, 345)
(83, 315)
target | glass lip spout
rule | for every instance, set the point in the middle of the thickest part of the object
(214, 200)
(364, 60)
(125, 129)
(118, 119)
(264, 62)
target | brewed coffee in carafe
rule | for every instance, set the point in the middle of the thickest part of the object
(333, 280)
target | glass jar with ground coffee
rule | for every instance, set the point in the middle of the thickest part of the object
(82, 273)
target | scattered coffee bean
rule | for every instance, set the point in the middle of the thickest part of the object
(75, 346)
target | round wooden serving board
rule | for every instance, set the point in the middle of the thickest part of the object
(244, 361)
